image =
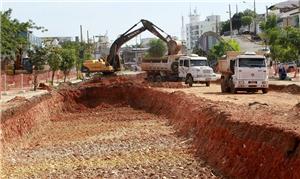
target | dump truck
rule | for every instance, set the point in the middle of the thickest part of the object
(188, 68)
(243, 72)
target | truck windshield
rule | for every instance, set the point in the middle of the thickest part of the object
(252, 62)
(198, 62)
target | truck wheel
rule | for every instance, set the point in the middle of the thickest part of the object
(207, 83)
(224, 86)
(158, 78)
(265, 90)
(150, 78)
(232, 89)
(189, 80)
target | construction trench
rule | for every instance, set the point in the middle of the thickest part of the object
(120, 127)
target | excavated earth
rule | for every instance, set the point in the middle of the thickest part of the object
(124, 128)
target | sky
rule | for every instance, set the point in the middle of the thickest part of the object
(114, 17)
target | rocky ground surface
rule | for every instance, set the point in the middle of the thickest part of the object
(104, 142)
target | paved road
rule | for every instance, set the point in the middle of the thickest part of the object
(245, 44)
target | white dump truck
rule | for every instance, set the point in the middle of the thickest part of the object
(188, 68)
(243, 72)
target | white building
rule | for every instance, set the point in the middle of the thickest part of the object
(195, 28)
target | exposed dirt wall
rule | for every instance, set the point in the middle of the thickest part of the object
(224, 134)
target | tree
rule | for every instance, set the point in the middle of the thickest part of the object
(199, 51)
(221, 48)
(225, 27)
(237, 21)
(38, 58)
(249, 12)
(82, 52)
(54, 60)
(246, 21)
(14, 35)
(157, 48)
(68, 61)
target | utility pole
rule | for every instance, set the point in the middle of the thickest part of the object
(81, 37)
(236, 8)
(267, 13)
(254, 18)
(230, 21)
(87, 36)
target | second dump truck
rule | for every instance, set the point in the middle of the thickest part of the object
(243, 72)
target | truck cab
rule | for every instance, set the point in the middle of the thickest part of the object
(247, 72)
(195, 69)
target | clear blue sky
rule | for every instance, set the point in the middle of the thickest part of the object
(63, 18)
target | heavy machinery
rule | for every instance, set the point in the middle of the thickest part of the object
(112, 62)
(189, 68)
(243, 72)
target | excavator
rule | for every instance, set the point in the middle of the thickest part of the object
(112, 62)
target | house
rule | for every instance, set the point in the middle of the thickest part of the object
(288, 13)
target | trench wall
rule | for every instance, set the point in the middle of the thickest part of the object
(235, 148)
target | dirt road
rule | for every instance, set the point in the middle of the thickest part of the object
(275, 100)
(107, 141)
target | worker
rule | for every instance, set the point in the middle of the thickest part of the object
(282, 72)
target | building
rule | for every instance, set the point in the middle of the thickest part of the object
(102, 46)
(288, 13)
(195, 28)
(55, 40)
(133, 55)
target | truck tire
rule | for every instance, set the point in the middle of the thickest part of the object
(158, 78)
(265, 90)
(150, 78)
(232, 88)
(207, 83)
(189, 80)
(223, 86)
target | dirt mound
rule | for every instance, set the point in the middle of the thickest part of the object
(43, 86)
(168, 85)
(293, 88)
(17, 99)
(239, 141)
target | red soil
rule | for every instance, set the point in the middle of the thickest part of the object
(238, 141)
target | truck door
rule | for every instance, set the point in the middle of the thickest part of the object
(181, 68)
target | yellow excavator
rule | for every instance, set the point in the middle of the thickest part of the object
(112, 62)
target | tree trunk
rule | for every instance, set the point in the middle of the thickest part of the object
(52, 78)
(65, 76)
(35, 81)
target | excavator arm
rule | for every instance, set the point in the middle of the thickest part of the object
(114, 58)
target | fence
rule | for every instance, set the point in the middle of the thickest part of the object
(25, 81)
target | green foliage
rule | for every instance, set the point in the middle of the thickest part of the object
(249, 12)
(54, 58)
(13, 35)
(237, 21)
(270, 24)
(157, 48)
(222, 47)
(38, 57)
(284, 42)
(246, 21)
(225, 27)
(68, 60)
(199, 51)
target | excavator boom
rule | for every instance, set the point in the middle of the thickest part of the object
(114, 58)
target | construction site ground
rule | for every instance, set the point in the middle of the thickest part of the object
(127, 128)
